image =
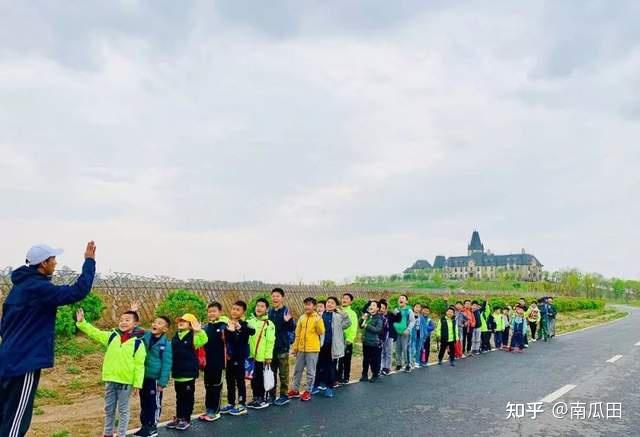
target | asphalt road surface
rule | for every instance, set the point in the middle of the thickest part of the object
(471, 399)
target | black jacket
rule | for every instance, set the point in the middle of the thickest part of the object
(215, 346)
(283, 329)
(237, 342)
(444, 333)
(185, 359)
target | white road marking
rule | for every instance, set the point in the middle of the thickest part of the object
(614, 359)
(637, 344)
(558, 393)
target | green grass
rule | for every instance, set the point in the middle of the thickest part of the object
(46, 393)
(73, 370)
(75, 384)
(63, 433)
(76, 347)
(575, 320)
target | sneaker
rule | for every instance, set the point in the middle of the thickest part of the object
(453, 364)
(306, 396)
(153, 432)
(337, 385)
(315, 390)
(282, 400)
(293, 394)
(416, 366)
(374, 379)
(183, 425)
(526, 345)
(398, 368)
(533, 340)
(407, 369)
(344, 381)
(209, 416)
(328, 393)
(226, 409)
(142, 432)
(238, 410)
(386, 372)
(439, 362)
(173, 423)
(322, 387)
(254, 405)
(363, 379)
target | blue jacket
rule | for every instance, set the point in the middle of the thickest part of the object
(159, 359)
(423, 326)
(29, 318)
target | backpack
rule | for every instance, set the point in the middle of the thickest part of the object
(136, 345)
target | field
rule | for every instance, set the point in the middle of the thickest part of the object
(70, 403)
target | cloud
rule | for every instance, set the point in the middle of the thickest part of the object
(310, 141)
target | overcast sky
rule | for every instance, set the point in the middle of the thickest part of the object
(293, 140)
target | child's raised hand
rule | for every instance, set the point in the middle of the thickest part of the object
(80, 315)
(287, 315)
(196, 325)
(135, 306)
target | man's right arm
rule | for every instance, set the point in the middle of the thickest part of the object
(58, 295)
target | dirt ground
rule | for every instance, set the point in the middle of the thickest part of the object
(70, 400)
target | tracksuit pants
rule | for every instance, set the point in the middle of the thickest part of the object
(402, 350)
(235, 380)
(486, 341)
(387, 353)
(116, 401)
(213, 389)
(185, 399)
(476, 339)
(344, 364)
(150, 403)
(371, 358)
(16, 403)
(444, 345)
(308, 360)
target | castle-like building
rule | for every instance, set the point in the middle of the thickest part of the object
(479, 264)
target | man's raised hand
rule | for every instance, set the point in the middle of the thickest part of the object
(90, 251)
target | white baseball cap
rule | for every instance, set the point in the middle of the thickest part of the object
(40, 253)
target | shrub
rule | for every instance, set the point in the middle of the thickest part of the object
(251, 305)
(439, 306)
(358, 305)
(179, 302)
(66, 315)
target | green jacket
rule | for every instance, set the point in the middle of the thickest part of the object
(123, 362)
(351, 332)
(266, 330)
(484, 315)
(159, 359)
(450, 327)
(499, 321)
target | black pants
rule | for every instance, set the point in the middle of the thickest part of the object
(326, 367)
(213, 389)
(344, 364)
(485, 339)
(150, 403)
(185, 398)
(371, 356)
(447, 345)
(427, 350)
(16, 403)
(235, 380)
(257, 383)
(467, 335)
(533, 326)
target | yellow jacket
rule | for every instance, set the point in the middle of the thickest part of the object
(308, 331)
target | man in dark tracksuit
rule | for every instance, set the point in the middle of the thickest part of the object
(27, 329)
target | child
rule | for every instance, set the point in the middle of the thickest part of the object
(344, 363)
(157, 369)
(285, 326)
(497, 327)
(461, 320)
(417, 336)
(214, 350)
(469, 326)
(519, 329)
(543, 307)
(448, 334)
(186, 368)
(553, 312)
(122, 369)
(332, 348)
(386, 338)
(476, 338)
(261, 345)
(236, 338)
(485, 332)
(320, 308)
(306, 348)
(430, 327)
(404, 325)
(533, 317)
(372, 327)
(506, 319)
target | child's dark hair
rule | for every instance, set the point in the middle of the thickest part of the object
(475, 302)
(467, 300)
(310, 300)
(334, 299)
(166, 320)
(452, 308)
(215, 304)
(383, 302)
(373, 301)
(321, 301)
(135, 316)
(240, 303)
(350, 296)
(278, 290)
(405, 296)
(459, 302)
(426, 307)
(263, 300)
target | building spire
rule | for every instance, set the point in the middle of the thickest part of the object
(475, 246)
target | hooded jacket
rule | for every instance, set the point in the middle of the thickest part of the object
(125, 356)
(159, 359)
(28, 320)
(372, 327)
(341, 323)
(215, 347)
(352, 329)
(308, 331)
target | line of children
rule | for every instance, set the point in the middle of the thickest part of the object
(136, 359)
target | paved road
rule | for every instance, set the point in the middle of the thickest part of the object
(472, 397)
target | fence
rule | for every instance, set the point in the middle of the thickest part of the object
(118, 290)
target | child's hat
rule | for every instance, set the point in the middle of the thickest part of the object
(187, 318)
